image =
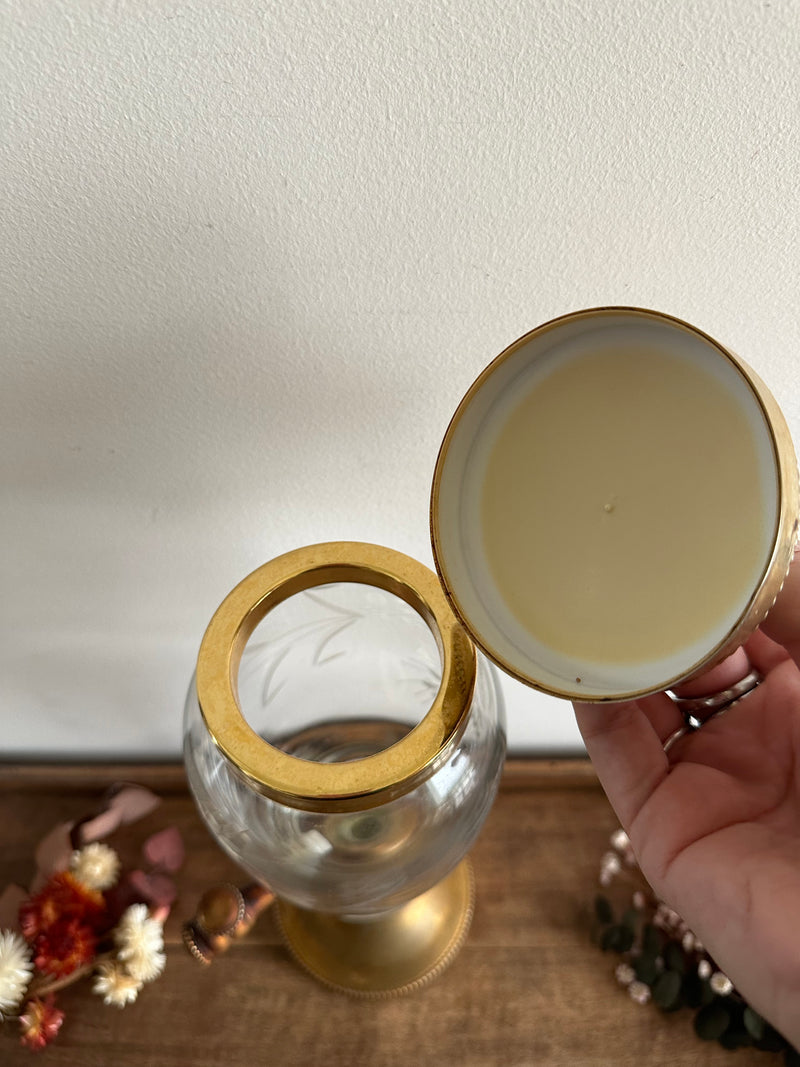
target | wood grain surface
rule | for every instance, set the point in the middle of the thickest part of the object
(529, 987)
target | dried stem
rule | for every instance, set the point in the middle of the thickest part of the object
(42, 987)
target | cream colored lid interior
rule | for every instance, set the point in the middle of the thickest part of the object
(457, 522)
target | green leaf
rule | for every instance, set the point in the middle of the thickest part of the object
(616, 938)
(711, 1022)
(771, 1040)
(736, 1037)
(754, 1023)
(667, 990)
(603, 909)
(611, 940)
(695, 991)
(675, 958)
(652, 940)
(627, 937)
(630, 920)
(646, 969)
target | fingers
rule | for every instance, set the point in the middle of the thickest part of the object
(724, 675)
(783, 622)
(626, 751)
(764, 653)
(663, 714)
(625, 741)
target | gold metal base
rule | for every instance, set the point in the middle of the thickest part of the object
(388, 956)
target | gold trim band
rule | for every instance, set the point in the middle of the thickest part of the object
(357, 784)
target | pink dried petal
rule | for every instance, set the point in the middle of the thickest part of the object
(132, 801)
(97, 827)
(165, 849)
(124, 804)
(154, 889)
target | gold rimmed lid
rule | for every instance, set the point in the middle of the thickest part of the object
(360, 783)
(460, 477)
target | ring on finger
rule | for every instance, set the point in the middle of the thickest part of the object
(697, 711)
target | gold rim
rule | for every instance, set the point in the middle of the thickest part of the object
(784, 538)
(333, 786)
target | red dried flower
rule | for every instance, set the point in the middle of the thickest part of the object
(65, 946)
(62, 898)
(40, 1022)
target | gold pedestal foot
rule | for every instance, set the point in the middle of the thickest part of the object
(390, 955)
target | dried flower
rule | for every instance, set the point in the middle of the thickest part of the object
(639, 992)
(95, 866)
(115, 984)
(624, 974)
(63, 896)
(620, 841)
(64, 947)
(704, 970)
(666, 918)
(141, 943)
(611, 862)
(721, 984)
(40, 1023)
(15, 970)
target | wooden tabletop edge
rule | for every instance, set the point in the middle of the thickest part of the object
(170, 777)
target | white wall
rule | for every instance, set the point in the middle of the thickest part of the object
(254, 252)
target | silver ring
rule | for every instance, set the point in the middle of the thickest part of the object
(697, 711)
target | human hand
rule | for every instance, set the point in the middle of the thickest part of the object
(716, 824)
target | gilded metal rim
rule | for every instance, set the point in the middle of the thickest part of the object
(359, 783)
(784, 538)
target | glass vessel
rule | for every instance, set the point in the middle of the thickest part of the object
(344, 743)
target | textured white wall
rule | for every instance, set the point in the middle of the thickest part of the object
(253, 254)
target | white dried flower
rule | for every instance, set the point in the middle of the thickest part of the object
(688, 941)
(639, 900)
(620, 841)
(624, 974)
(666, 918)
(140, 940)
(704, 970)
(610, 864)
(95, 865)
(115, 985)
(16, 970)
(721, 984)
(639, 992)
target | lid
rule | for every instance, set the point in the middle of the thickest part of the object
(614, 504)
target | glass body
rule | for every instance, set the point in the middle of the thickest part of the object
(332, 674)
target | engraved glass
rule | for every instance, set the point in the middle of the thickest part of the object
(333, 674)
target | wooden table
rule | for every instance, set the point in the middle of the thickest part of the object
(528, 988)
